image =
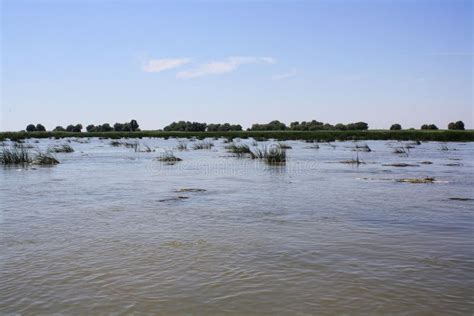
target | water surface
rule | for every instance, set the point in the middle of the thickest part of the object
(106, 232)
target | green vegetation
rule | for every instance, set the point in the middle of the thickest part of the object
(308, 126)
(318, 136)
(14, 155)
(61, 149)
(459, 125)
(182, 145)
(203, 145)
(429, 127)
(168, 157)
(238, 149)
(272, 154)
(395, 127)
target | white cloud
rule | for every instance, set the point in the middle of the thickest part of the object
(227, 65)
(286, 75)
(158, 65)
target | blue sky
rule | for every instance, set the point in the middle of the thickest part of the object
(244, 62)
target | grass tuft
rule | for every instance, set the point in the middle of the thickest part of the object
(203, 145)
(61, 149)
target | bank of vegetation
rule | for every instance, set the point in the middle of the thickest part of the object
(305, 130)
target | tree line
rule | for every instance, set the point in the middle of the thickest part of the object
(131, 126)
(459, 125)
(187, 126)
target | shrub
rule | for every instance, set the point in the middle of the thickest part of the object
(40, 128)
(395, 127)
(459, 125)
(429, 127)
(31, 128)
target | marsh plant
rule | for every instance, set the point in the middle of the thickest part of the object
(15, 155)
(238, 149)
(272, 154)
(284, 145)
(182, 145)
(168, 157)
(357, 161)
(21, 155)
(362, 147)
(203, 145)
(401, 150)
(45, 159)
(65, 148)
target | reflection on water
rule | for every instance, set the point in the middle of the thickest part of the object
(110, 230)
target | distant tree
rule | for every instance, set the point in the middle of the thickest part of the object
(360, 126)
(118, 127)
(40, 128)
(70, 128)
(77, 128)
(459, 125)
(134, 125)
(340, 126)
(429, 127)
(272, 126)
(395, 127)
(31, 128)
(183, 126)
(127, 127)
(91, 128)
(59, 129)
(107, 128)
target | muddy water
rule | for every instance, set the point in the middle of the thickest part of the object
(106, 232)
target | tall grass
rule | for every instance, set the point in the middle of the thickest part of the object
(270, 154)
(182, 145)
(168, 157)
(17, 155)
(203, 145)
(238, 149)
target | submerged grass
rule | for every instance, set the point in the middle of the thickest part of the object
(203, 145)
(182, 145)
(168, 157)
(61, 149)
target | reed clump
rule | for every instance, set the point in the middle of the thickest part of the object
(203, 145)
(362, 147)
(15, 154)
(65, 148)
(168, 157)
(271, 154)
(182, 145)
(238, 149)
(19, 155)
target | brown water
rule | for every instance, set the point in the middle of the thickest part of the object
(105, 232)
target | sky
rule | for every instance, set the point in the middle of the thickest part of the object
(379, 61)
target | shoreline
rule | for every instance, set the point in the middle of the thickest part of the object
(320, 135)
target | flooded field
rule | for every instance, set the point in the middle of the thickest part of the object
(111, 229)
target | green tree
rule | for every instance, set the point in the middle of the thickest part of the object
(459, 125)
(395, 127)
(31, 128)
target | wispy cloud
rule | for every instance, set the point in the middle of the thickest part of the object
(158, 65)
(227, 65)
(285, 75)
